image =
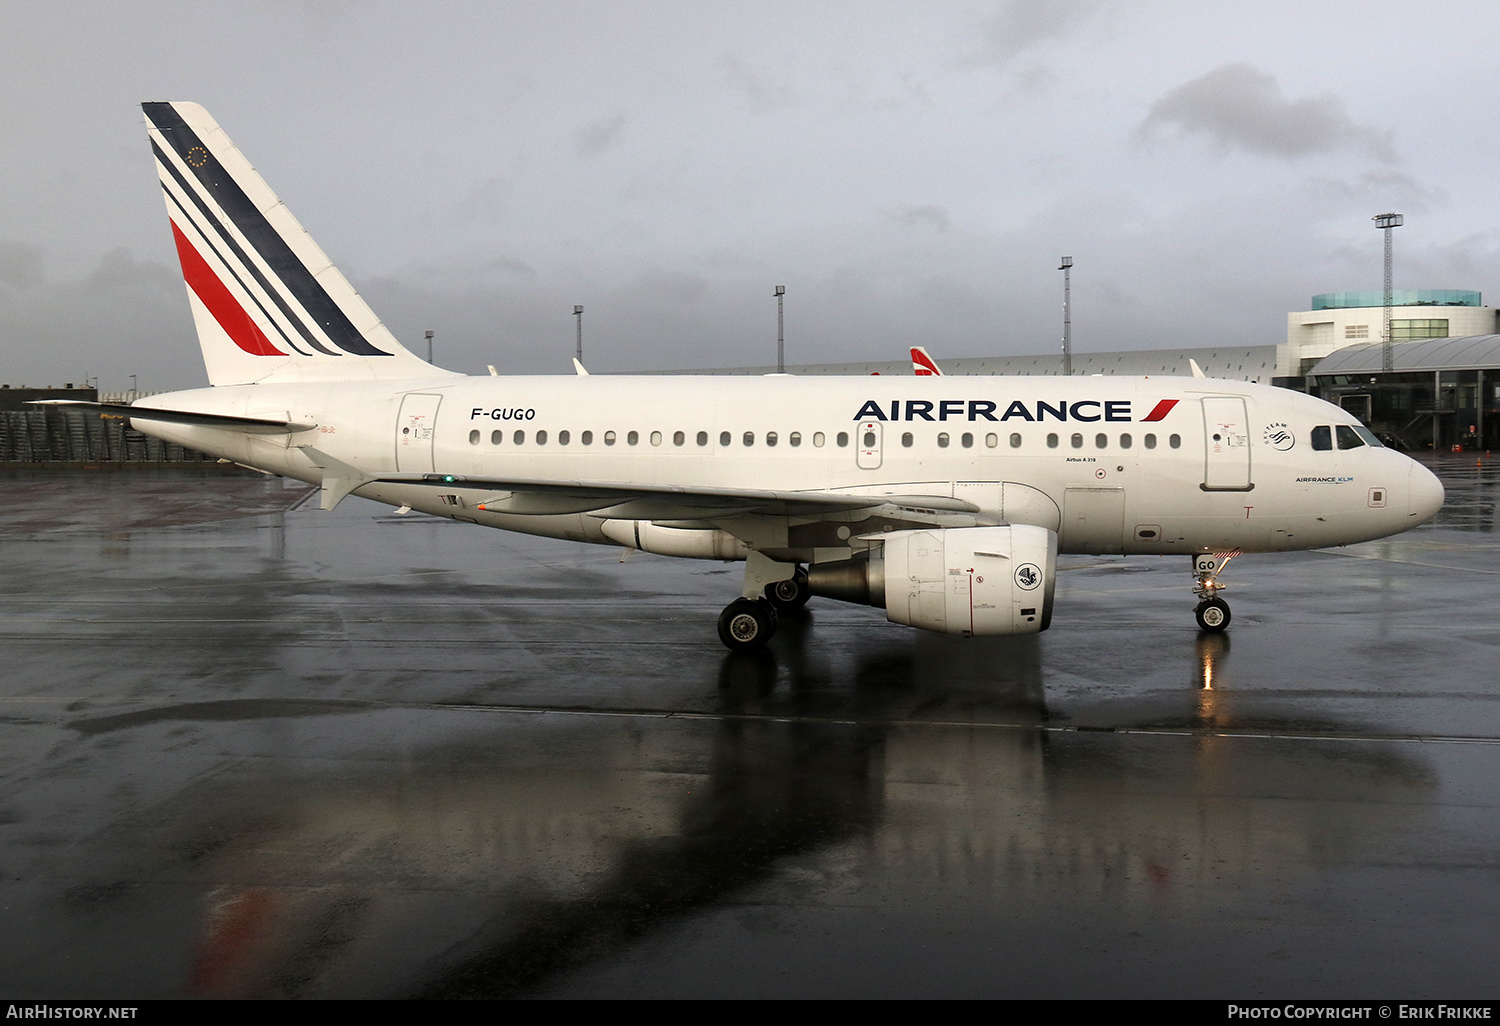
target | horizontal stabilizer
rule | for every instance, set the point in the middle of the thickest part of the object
(222, 420)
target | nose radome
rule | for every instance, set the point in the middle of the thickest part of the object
(1426, 493)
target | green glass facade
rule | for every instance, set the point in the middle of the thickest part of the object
(1399, 297)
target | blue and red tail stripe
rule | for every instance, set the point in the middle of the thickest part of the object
(212, 180)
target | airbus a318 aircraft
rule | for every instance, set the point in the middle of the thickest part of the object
(945, 500)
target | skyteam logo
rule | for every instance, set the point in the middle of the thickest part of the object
(1085, 410)
(1028, 576)
(1279, 437)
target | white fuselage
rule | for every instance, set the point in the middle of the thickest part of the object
(1228, 465)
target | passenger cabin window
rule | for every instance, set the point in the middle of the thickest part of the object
(906, 439)
(1322, 438)
(563, 437)
(1101, 440)
(1052, 440)
(1175, 441)
(496, 437)
(770, 438)
(632, 438)
(1124, 441)
(541, 438)
(842, 439)
(587, 438)
(656, 438)
(1150, 441)
(818, 439)
(1347, 437)
(702, 437)
(474, 437)
(1076, 441)
(967, 440)
(519, 437)
(609, 438)
(725, 438)
(794, 439)
(678, 438)
(749, 437)
(1015, 439)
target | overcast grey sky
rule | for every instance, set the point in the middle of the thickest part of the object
(911, 171)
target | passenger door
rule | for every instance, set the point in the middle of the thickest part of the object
(1226, 441)
(415, 430)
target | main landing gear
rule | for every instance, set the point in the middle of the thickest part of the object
(1212, 611)
(747, 623)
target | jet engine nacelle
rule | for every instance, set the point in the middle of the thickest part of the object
(966, 580)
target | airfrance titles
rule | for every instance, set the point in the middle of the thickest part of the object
(1086, 410)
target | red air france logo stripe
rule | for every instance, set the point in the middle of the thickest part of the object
(1161, 410)
(220, 301)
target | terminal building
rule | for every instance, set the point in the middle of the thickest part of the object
(1441, 393)
(1340, 319)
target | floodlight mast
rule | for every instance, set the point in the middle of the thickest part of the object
(1066, 267)
(780, 331)
(1385, 222)
(578, 312)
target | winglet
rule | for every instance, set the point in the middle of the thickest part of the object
(1197, 371)
(579, 368)
(339, 478)
(923, 365)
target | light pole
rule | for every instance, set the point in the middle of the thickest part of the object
(1385, 222)
(780, 331)
(578, 312)
(1066, 267)
(429, 347)
(132, 388)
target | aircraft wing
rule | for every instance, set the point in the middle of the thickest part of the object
(635, 501)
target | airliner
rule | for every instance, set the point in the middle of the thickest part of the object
(943, 500)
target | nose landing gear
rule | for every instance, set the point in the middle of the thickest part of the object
(1212, 611)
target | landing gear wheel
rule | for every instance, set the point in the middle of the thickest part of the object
(1213, 615)
(791, 593)
(747, 624)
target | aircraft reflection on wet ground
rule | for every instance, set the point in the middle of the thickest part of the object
(257, 750)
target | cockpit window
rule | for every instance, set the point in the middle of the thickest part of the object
(1347, 438)
(1368, 436)
(1322, 437)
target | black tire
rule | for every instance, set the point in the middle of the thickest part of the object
(1213, 615)
(790, 594)
(747, 624)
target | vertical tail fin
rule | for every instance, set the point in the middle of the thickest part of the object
(923, 365)
(267, 303)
